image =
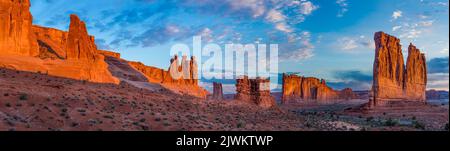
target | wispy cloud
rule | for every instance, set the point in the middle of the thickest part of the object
(343, 7)
(396, 14)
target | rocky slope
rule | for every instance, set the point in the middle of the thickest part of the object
(39, 102)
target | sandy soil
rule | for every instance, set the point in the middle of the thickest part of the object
(35, 102)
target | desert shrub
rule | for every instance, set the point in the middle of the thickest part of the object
(368, 119)
(240, 124)
(446, 127)
(391, 122)
(23, 96)
(418, 125)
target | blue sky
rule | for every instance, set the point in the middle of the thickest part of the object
(330, 39)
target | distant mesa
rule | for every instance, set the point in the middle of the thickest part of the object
(392, 81)
(297, 88)
(254, 91)
(217, 91)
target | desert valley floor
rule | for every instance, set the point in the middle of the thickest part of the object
(35, 101)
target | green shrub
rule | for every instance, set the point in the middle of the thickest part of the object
(391, 122)
(23, 96)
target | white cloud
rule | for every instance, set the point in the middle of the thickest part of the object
(344, 7)
(411, 34)
(426, 23)
(275, 16)
(307, 7)
(348, 44)
(305, 50)
(395, 28)
(172, 29)
(283, 27)
(397, 14)
(257, 7)
(206, 34)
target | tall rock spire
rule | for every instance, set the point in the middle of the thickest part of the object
(391, 80)
(16, 36)
(79, 44)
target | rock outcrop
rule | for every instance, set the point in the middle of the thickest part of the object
(298, 88)
(79, 44)
(217, 91)
(52, 42)
(391, 80)
(16, 36)
(109, 53)
(254, 91)
(183, 80)
(416, 75)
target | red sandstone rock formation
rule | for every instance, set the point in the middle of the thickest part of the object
(297, 88)
(416, 75)
(391, 81)
(179, 83)
(347, 94)
(73, 54)
(254, 91)
(26, 47)
(217, 91)
(16, 36)
(109, 53)
(52, 42)
(153, 74)
(388, 68)
(79, 44)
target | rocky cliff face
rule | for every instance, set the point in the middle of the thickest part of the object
(416, 75)
(217, 91)
(184, 81)
(109, 53)
(16, 36)
(254, 91)
(52, 42)
(388, 67)
(26, 47)
(79, 44)
(391, 80)
(297, 88)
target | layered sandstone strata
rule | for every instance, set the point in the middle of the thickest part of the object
(71, 54)
(16, 35)
(391, 80)
(298, 88)
(254, 91)
(182, 79)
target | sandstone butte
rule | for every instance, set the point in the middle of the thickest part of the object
(298, 88)
(392, 81)
(217, 91)
(70, 54)
(254, 91)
